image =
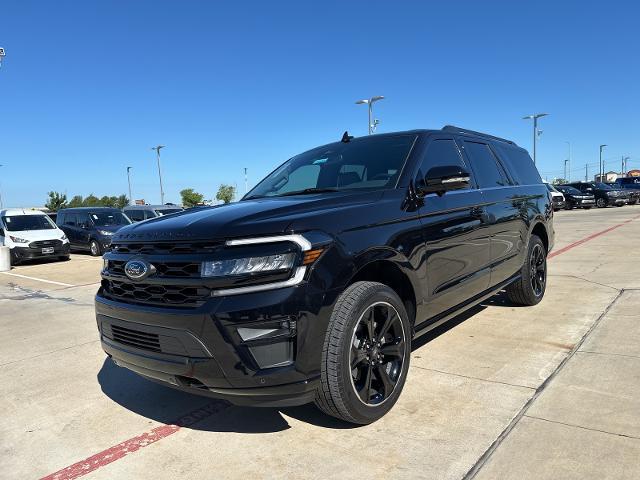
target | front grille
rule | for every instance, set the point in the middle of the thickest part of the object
(46, 244)
(163, 269)
(164, 248)
(177, 296)
(136, 338)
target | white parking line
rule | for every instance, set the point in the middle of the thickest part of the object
(38, 279)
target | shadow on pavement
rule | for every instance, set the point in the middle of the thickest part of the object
(171, 406)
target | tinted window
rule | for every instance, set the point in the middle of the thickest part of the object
(23, 223)
(105, 219)
(135, 215)
(83, 219)
(60, 218)
(485, 166)
(70, 219)
(519, 164)
(441, 153)
(370, 162)
(569, 190)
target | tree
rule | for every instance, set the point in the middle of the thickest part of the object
(191, 198)
(56, 201)
(76, 201)
(91, 201)
(226, 193)
(122, 201)
(559, 181)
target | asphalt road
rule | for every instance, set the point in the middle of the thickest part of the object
(502, 392)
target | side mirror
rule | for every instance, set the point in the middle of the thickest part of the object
(443, 179)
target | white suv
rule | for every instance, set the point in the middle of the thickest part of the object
(31, 234)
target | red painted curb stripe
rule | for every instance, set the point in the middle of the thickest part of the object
(590, 237)
(134, 444)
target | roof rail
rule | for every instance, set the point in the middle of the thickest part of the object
(464, 131)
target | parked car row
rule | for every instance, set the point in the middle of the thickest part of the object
(32, 234)
(587, 194)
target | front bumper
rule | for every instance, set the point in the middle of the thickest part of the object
(19, 254)
(262, 348)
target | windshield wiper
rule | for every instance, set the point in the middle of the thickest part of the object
(308, 191)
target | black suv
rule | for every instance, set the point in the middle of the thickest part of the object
(574, 198)
(91, 228)
(312, 287)
(603, 193)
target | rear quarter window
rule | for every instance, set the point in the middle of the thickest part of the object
(518, 163)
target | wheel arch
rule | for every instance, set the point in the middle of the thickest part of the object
(396, 276)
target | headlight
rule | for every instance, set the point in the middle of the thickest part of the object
(244, 266)
(63, 238)
(18, 239)
(105, 232)
(105, 264)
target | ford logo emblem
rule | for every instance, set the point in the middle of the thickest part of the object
(138, 269)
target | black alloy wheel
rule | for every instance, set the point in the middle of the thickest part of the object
(538, 270)
(378, 349)
(366, 354)
(601, 203)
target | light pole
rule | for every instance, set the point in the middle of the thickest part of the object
(601, 164)
(370, 102)
(567, 170)
(157, 149)
(129, 180)
(624, 165)
(535, 118)
(246, 184)
(1, 194)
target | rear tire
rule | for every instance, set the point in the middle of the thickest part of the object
(366, 354)
(94, 248)
(530, 288)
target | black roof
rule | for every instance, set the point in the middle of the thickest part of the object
(87, 209)
(450, 129)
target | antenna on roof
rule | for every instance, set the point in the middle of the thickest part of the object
(346, 138)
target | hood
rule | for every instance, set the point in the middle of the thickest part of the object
(110, 228)
(263, 216)
(34, 235)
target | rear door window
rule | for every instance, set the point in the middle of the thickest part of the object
(488, 172)
(70, 219)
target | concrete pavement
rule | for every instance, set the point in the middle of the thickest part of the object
(500, 392)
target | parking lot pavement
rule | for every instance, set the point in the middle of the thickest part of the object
(501, 392)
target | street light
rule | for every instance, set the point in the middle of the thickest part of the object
(129, 180)
(601, 164)
(157, 149)
(624, 165)
(535, 118)
(370, 102)
(567, 171)
(1, 195)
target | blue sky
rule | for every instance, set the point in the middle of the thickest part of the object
(87, 88)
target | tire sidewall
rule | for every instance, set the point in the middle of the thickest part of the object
(361, 412)
(91, 243)
(535, 240)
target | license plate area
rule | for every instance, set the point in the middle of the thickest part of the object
(46, 250)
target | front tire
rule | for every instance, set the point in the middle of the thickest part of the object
(366, 354)
(601, 203)
(530, 289)
(94, 248)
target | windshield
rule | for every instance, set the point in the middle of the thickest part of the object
(22, 223)
(167, 211)
(367, 163)
(570, 190)
(603, 186)
(108, 219)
